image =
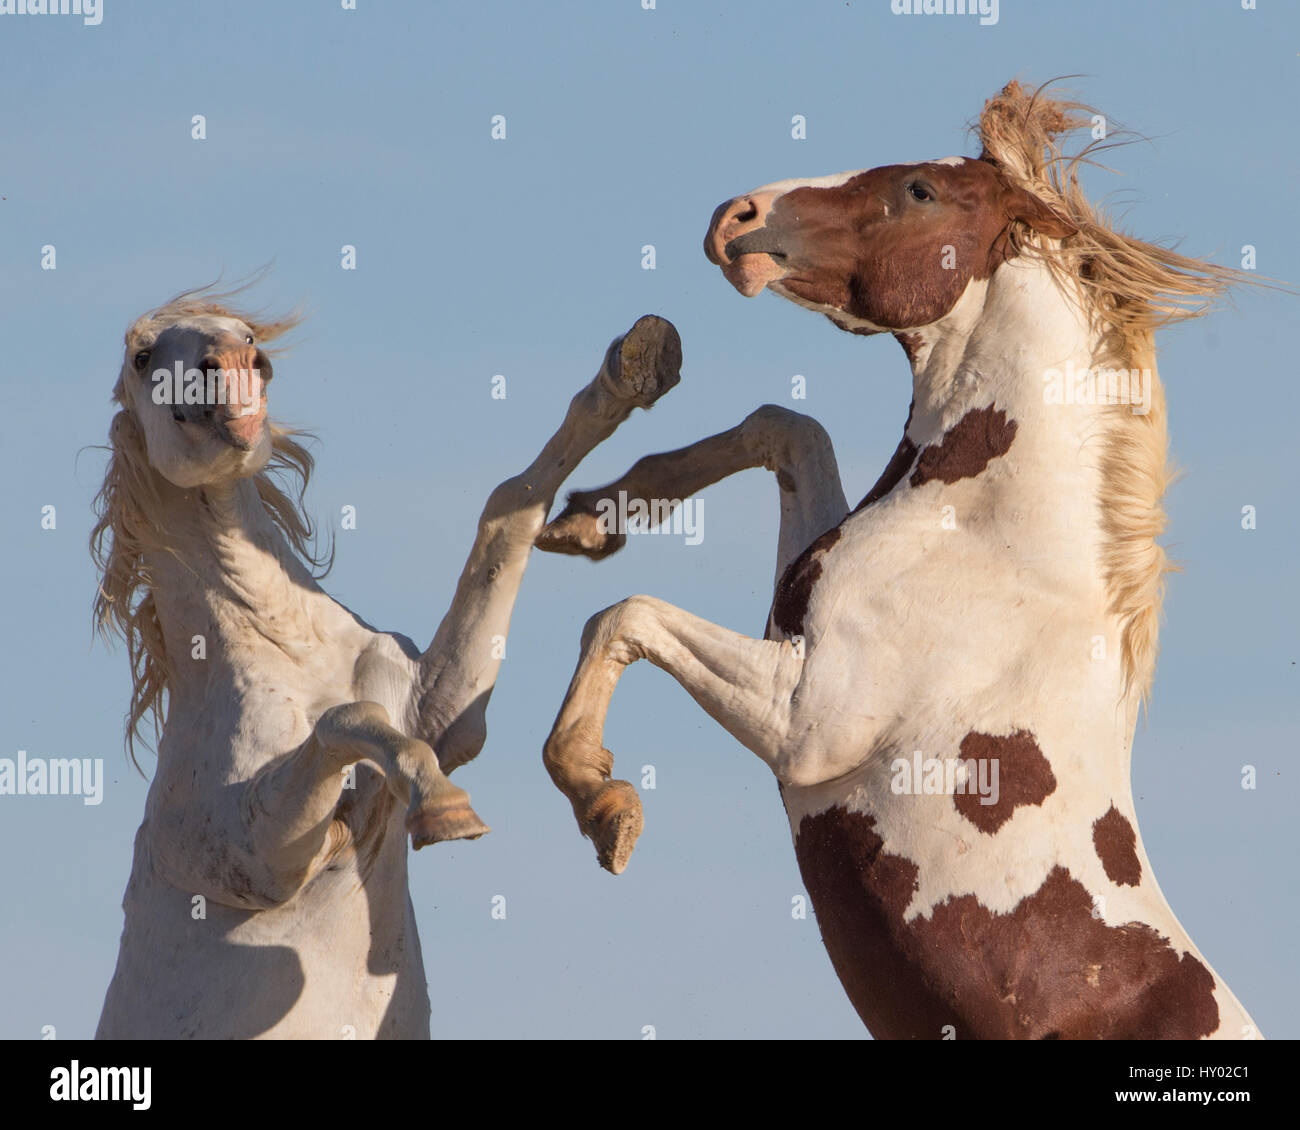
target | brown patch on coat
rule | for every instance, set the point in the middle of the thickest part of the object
(841, 324)
(1048, 969)
(898, 466)
(911, 344)
(1116, 844)
(1025, 777)
(967, 447)
(794, 589)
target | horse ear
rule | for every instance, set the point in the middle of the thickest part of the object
(1028, 209)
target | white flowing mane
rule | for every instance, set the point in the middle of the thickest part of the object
(129, 512)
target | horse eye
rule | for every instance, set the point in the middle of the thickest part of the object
(919, 193)
(248, 340)
(141, 359)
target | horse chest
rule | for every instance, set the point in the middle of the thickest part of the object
(277, 702)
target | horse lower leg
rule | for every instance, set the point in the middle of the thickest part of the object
(794, 447)
(460, 667)
(745, 684)
(280, 836)
(436, 809)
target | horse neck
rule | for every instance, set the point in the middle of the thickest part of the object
(228, 573)
(993, 352)
(994, 348)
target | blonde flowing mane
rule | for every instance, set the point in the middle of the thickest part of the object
(131, 523)
(1131, 288)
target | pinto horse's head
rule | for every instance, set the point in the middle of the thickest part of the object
(876, 250)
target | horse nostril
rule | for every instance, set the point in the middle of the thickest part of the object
(728, 217)
(178, 415)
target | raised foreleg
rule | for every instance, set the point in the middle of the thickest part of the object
(271, 834)
(794, 447)
(747, 685)
(460, 668)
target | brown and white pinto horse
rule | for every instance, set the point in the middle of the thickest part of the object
(953, 669)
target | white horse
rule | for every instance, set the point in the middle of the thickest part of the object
(952, 672)
(268, 894)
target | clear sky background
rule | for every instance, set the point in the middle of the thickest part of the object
(522, 257)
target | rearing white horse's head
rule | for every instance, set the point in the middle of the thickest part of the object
(192, 390)
(194, 377)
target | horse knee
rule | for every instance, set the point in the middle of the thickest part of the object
(785, 437)
(342, 721)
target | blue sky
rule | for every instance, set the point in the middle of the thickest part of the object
(522, 257)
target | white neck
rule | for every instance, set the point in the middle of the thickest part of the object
(993, 350)
(994, 347)
(230, 576)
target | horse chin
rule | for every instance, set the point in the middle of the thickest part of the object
(244, 452)
(241, 439)
(750, 273)
(257, 455)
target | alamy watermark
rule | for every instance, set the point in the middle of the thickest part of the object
(1096, 385)
(102, 1084)
(179, 385)
(932, 776)
(56, 776)
(684, 517)
(987, 10)
(90, 11)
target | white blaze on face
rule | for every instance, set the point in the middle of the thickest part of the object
(834, 180)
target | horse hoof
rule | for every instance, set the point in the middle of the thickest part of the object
(614, 821)
(578, 532)
(646, 362)
(458, 823)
